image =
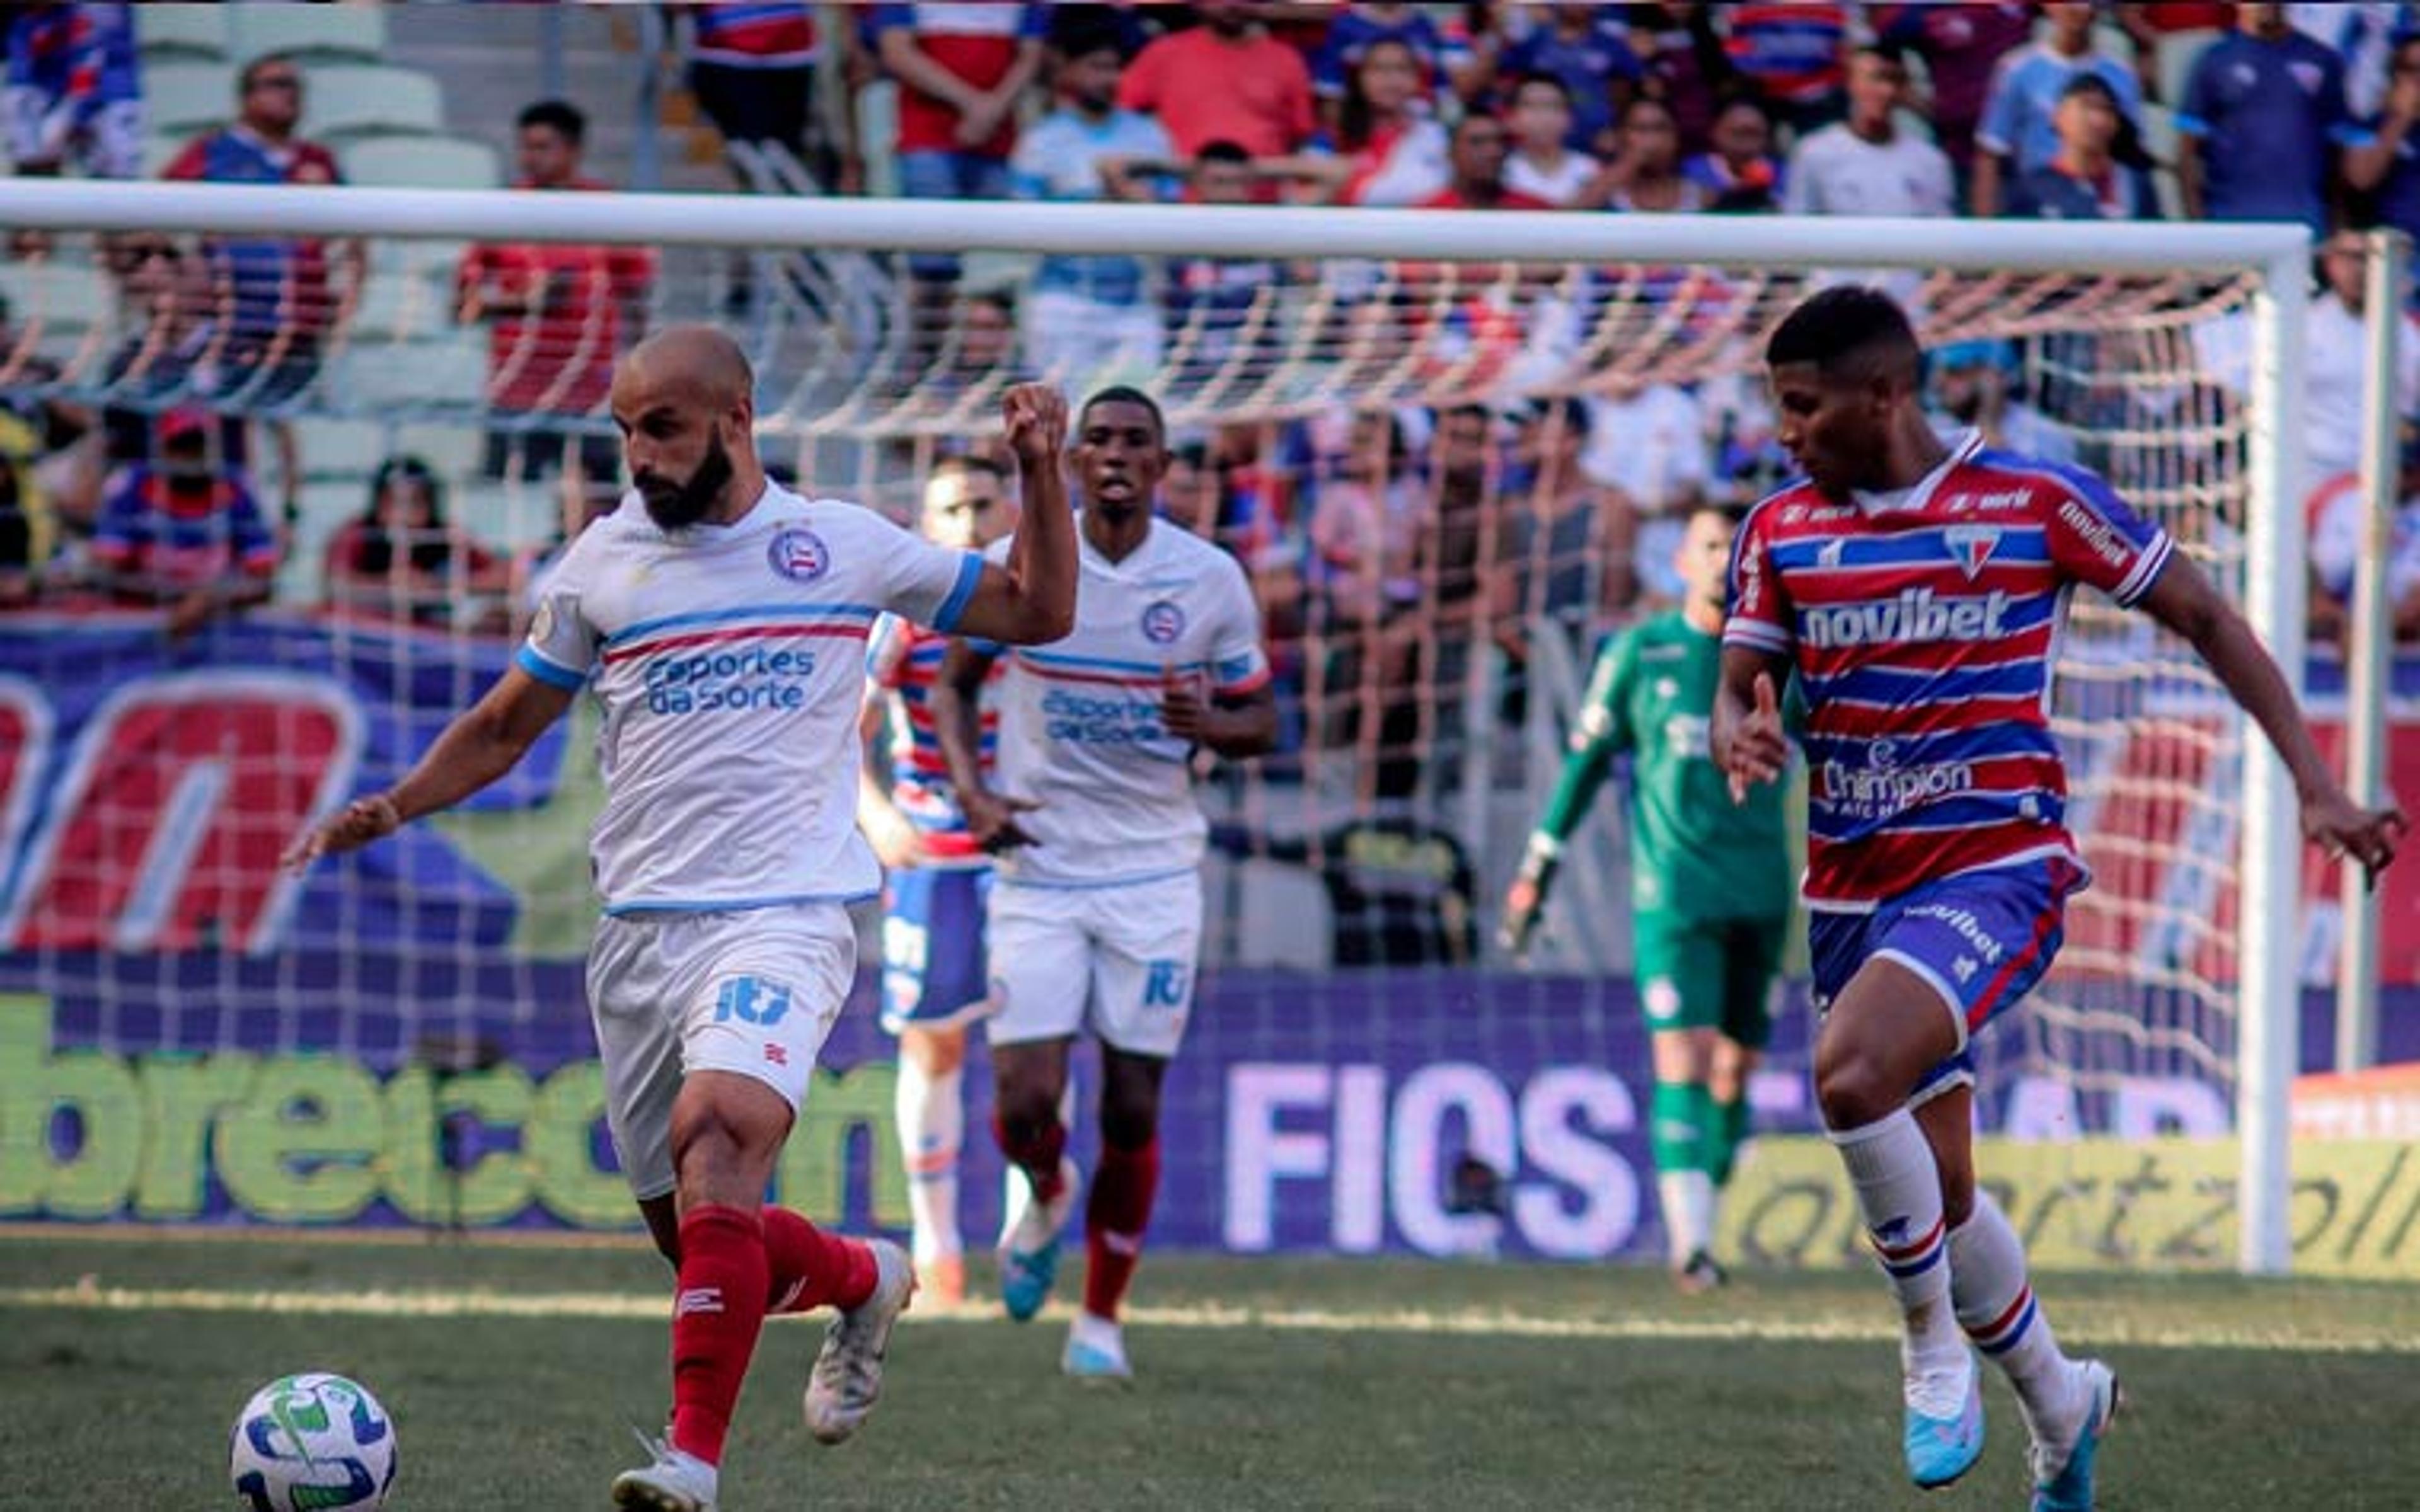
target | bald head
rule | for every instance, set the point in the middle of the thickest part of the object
(683, 400)
(698, 361)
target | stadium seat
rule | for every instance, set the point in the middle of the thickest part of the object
(160, 148)
(66, 296)
(371, 100)
(415, 378)
(405, 304)
(181, 98)
(177, 32)
(340, 450)
(423, 162)
(454, 451)
(350, 32)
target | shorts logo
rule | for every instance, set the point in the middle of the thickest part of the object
(1162, 623)
(1164, 984)
(798, 554)
(751, 1000)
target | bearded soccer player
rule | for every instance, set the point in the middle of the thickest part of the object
(1095, 915)
(1710, 884)
(934, 982)
(720, 620)
(1917, 588)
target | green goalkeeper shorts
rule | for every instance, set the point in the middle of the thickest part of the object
(1709, 974)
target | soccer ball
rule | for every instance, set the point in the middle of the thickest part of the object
(312, 1441)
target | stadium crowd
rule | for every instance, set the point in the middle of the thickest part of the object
(1390, 547)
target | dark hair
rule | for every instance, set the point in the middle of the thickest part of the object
(1127, 393)
(1731, 514)
(252, 69)
(2126, 148)
(967, 462)
(1352, 117)
(1223, 151)
(432, 552)
(1513, 95)
(1847, 332)
(1562, 410)
(1086, 35)
(1890, 54)
(560, 116)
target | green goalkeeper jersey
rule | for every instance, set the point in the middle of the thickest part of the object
(1694, 854)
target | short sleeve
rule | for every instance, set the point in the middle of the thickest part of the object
(894, 19)
(561, 650)
(918, 580)
(2096, 540)
(1238, 666)
(1760, 615)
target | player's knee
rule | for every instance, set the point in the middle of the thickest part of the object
(1129, 1123)
(1026, 1108)
(1854, 1090)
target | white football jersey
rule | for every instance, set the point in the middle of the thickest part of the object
(1080, 731)
(730, 662)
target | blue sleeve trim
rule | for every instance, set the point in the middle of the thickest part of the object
(2352, 134)
(945, 619)
(2191, 125)
(547, 672)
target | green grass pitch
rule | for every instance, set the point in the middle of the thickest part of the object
(512, 1370)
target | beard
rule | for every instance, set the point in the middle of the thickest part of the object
(677, 506)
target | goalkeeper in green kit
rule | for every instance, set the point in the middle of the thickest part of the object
(1711, 886)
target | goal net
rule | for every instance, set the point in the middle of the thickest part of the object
(1448, 475)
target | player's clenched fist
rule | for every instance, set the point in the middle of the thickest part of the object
(991, 820)
(360, 821)
(1034, 418)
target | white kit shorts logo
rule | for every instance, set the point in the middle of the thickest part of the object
(798, 554)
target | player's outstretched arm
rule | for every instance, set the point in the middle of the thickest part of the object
(2185, 601)
(1745, 735)
(1595, 740)
(957, 724)
(480, 745)
(1032, 599)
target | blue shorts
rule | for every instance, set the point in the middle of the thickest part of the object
(931, 173)
(933, 970)
(1981, 939)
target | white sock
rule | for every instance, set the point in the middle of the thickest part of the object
(932, 1125)
(1899, 1190)
(1996, 1308)
(1688, 1201)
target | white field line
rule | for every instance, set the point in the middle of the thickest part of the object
(649, 1308)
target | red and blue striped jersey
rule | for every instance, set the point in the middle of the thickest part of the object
(1925, 628)
(754, 36)
(1795, 52)
(903, 660)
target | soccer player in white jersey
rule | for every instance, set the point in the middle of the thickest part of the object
(934, 981)
(719, 621)
(1917, 588)
(1095, 913)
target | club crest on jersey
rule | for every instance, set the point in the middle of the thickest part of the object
(1971, 546)
(798, 554)
(1162, 623)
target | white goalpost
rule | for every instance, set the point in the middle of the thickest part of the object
(2107, 317)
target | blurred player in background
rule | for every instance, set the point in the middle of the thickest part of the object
(715, 615)
(1709, 887)
(1918, 588)
(934, 982)
(1096, 914)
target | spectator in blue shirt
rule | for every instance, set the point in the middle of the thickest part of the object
(1590, 53)
(2263, 114)
(2017, 133)
(2386, 168)
(2100, 171)
(1092, 310)
(1353, 33)
(73, 91)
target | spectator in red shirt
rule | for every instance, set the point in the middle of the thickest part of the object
(400, 559)
(1225, 80)
(282, 311)
(1960, 45)
(558, 315)
(961, 69)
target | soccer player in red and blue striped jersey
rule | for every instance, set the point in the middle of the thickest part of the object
(1917, 588)
(934, 981)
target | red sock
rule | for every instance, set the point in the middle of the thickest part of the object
(807, 1268)
(1037, 1157)
(1115, 1218)
(717, 1313)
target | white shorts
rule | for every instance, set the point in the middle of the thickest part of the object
(752, 992)
(1119, 961)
